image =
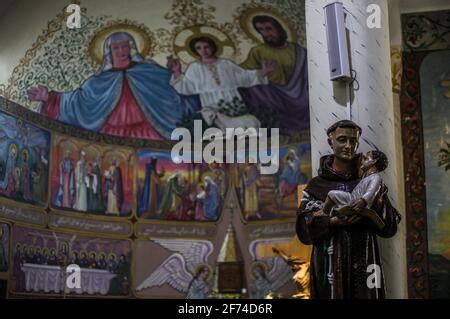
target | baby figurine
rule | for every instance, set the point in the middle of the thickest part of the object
(365, 192)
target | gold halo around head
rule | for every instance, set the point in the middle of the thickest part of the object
(13, 147)
(258, 264)
(210, 270)
(141, 36)
(112, 254)
(246, 18)
(225, 46)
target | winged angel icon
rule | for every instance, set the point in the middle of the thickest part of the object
(186, 270)
(269, 274)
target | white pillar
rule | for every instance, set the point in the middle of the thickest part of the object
(372, 108)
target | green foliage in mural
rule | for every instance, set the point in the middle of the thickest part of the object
(61, 64)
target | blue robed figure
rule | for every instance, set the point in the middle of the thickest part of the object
(211, 202)
(128, 96)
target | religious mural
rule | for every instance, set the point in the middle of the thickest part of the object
(185, 268)
(204, 77)
(179, 192)
(40, 258)
(264, 197)
(91, 178)
(24, 161)
(132, 85)
(4, 246)
(435, 83)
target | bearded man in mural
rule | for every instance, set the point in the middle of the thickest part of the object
(343, 249)
(284, 102)
(128, 96)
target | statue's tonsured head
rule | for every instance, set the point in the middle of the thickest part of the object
(343, 138)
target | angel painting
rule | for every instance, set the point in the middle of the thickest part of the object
(268, 277)
(186, 270)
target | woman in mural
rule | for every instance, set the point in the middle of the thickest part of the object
(128, 96)
(211, 201)
(216, 80)
(7, 185)
(66, 189)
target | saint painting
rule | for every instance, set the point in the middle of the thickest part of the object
(128, 96)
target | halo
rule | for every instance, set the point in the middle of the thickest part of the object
(13, 146)
(210, 273)
(225, 46)
(142, 37)
(25, 152)
(246, 17)
(254, 265)
(208, 173)
(112, 254)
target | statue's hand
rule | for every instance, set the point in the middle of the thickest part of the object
(38, 94)
(353, 219)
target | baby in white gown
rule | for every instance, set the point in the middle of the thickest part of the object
(367, 189)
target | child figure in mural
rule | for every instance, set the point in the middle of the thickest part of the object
(216, 80)
(118, 99)
(364, 193)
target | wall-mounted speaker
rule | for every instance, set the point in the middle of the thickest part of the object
(337, 42)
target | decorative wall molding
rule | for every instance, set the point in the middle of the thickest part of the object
(423, 33)
(426, 31)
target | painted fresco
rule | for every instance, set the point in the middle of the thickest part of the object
(41, 257)
(179, 192)
(435, 92)
(24, 161)
(265, 197)
(203, 75)
(91, 178)
(137, 81)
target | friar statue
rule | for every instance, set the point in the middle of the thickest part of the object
(344, 248)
